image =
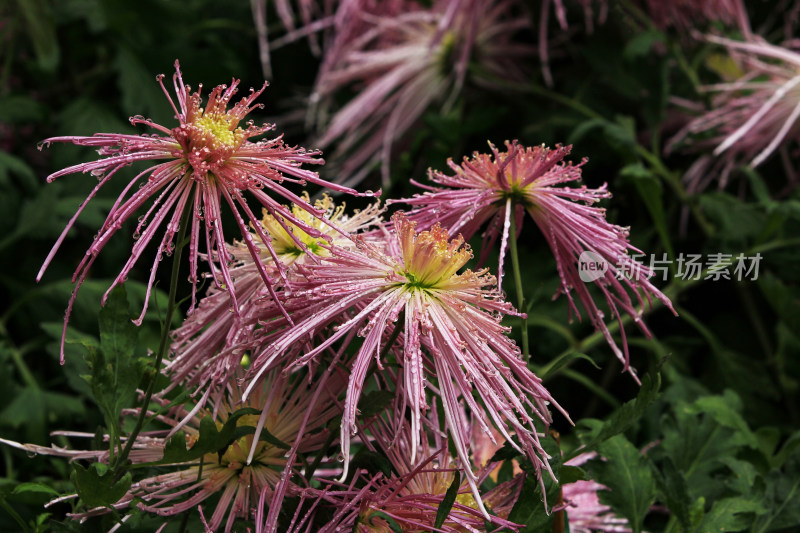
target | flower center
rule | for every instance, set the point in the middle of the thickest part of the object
(218, 127)
(430, 257)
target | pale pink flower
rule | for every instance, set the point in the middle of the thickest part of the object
(403, 59)
(752, 116)
(207, 160)
(450, 328)
(207, 347)
(412, 495)
(582, 504)
(487, 189)
(237, 475)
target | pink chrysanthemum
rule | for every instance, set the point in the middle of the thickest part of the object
(206, 346)
(208, 160)
(751, 117)
(489, 189)
(240, 473)
(403, 59)
(450, 330)
(411, 497)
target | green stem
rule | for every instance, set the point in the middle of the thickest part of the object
(518, 283)
(163, 345)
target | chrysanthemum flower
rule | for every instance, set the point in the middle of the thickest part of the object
(751, 117)
(450, 331)
(489, 189)
(243, 470)
(206, 346)
(404, 59)
(207, 160)
(411, 497)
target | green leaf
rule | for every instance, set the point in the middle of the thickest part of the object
(115, 374)
(140, 94)
(372, 462)
(375, 402)
(622, 418)
(210, 439)
(35, 487)
(447, 502)
(571, 474)
(531, 509)
(724, 409)
(782, 497)
(727, 515)
(96, 485)
(697, 442)
(629, 478)
(672, 486)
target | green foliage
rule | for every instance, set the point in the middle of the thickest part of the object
(114, 372)
(447, 502)
(97, 485)
(628, 476)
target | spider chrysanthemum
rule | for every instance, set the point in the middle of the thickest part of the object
(446, 325)
(486, 190)
(208, 160)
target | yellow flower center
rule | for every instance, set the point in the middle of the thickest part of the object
(286, 245)
(430, 257)
(218, 126)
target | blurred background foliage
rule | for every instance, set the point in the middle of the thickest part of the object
(723, 435)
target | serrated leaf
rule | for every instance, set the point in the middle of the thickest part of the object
(730, 514)
(115, 374)
(782, 497)
(96, 486)
(696, 442)
(725, 409)
(447, 502)
(675, 493)
(629, 478)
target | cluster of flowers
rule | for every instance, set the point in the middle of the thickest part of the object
(315, 315)
(326, 331)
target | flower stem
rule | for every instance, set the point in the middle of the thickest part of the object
(119, 468)
(518, 285)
